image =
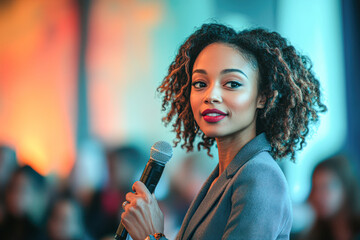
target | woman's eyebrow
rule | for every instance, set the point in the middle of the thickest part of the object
(199, 71)
(229, 70)
(233, 70)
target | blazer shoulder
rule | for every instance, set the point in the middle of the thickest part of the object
(262, 167)
(261, 178)
(260, 190)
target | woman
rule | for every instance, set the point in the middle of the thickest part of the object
(252, 94)
(335, 198)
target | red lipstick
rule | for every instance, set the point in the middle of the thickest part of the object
(213, 115)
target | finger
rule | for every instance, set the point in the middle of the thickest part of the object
(130, 196)
(140, 188)
(132, 213)
(124, 204)
(133, 207)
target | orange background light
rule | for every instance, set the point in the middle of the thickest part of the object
(38, 71)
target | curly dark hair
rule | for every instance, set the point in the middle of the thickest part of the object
(286, 80)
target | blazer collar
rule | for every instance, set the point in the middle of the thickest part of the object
(206, 199)
(256, 145)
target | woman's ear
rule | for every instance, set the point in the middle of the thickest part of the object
(261, 100)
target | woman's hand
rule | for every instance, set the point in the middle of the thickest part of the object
(142, 215)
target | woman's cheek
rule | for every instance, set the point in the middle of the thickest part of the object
(241, 102)
(195, 104)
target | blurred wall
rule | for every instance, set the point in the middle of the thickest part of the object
(317, 34)
(351, 23)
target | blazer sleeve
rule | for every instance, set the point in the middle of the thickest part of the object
(260, 204)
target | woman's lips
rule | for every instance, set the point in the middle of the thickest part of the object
(213, 115)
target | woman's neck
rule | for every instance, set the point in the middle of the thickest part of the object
(229, 146)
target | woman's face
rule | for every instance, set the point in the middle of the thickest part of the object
(224, 93)
(327, 194)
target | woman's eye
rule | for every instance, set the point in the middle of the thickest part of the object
(233, 84)
(199, 84)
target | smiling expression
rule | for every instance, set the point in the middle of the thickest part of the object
(224, 93)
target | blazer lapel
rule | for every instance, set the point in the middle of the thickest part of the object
(206, 204)
(196, 202)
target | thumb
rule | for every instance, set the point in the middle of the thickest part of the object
(140, 188)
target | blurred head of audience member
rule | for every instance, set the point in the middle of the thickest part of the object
(65, 220)
(124, 168)
(335, 198)
(125, 164)
(89, 172)
(20, 205)
(8, 164)
(102, 205)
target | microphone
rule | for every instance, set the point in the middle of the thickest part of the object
(160, 154)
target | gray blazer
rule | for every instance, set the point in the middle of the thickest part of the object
(250, 200)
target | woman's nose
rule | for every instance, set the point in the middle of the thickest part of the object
(213, 95)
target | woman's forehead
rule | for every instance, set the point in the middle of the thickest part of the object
(217, 57)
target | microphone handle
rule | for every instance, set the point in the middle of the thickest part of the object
(150, 177)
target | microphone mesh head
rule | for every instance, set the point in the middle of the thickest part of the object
(161, 152)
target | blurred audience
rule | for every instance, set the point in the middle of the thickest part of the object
(335, 199)
(125, 165)
(65, 220)
(102, 202)
(87, 205)
(19, 203)
(8, 164)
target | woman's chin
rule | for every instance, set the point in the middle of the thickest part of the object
(212, 134)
